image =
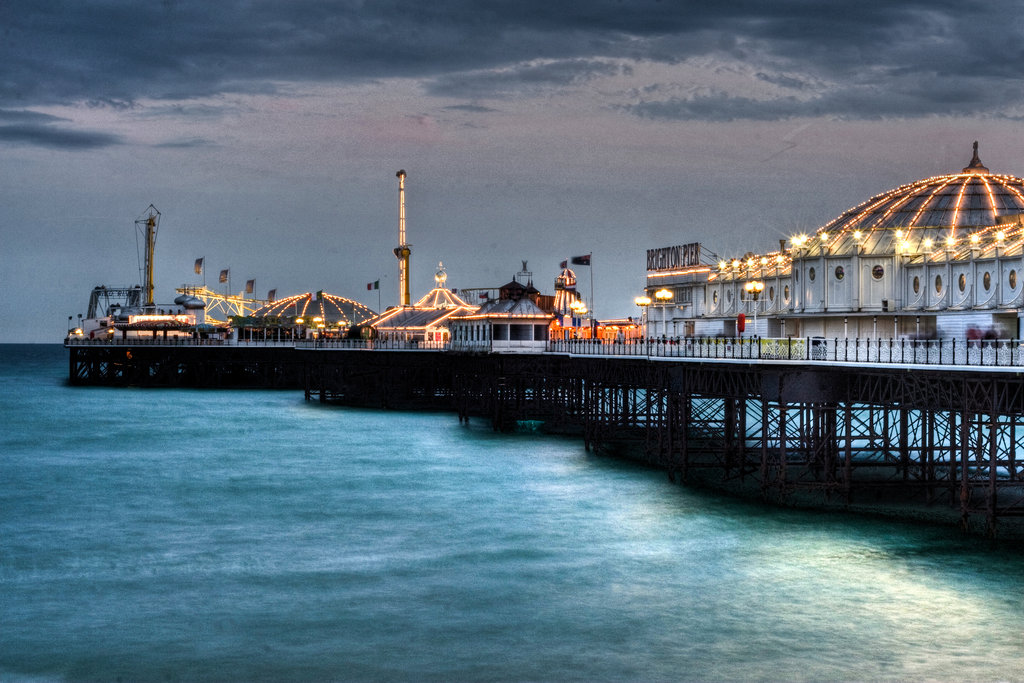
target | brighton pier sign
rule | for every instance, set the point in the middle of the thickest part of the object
(670, 258)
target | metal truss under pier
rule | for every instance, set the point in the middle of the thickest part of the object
(185, 365)
(912, 443)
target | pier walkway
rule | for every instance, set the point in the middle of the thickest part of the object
(1007, 354)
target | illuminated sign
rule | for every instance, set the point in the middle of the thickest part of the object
(667, 258)
(187, 319)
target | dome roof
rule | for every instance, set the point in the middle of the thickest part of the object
(333, 309)
(950, 211)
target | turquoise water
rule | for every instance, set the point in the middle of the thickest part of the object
(245, 535)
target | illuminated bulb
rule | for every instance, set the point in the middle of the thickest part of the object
(928, 243)
(950, 241)
(750, 263)
(824, 237)
(764, 260)
(722, 265)
(780, 258)
(899, 234)
(975, 238)
(857, 235)
(735, 263)
(1000, 236)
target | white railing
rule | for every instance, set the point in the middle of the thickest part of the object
(371, 344)
(955, 352)
(940, 352)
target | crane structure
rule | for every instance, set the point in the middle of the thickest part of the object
(148, 227)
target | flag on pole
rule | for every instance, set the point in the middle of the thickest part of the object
(272, 295)
(373, 285)
(581, 260)
(563, 265)
(250, 285)
(199, 266)
(224, 275)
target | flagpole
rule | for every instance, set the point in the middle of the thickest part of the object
(592, 318)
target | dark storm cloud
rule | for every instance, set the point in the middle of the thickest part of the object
(927, 96)
(45, 136)
(828, 53)
(472, 108)
(190, 143)
(31, 117)
(522, 77)
(43, 130)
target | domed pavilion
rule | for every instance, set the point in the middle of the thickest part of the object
(940, 257)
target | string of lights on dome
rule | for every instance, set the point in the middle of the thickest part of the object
(956, 216)
(325, 306)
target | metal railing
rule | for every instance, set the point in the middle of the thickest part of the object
(147, 341)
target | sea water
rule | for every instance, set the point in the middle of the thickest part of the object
(249, 535)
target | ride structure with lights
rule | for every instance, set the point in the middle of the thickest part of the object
(403, 250)
(425, 321)
(940, 257)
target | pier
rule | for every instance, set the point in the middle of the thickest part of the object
(916, 429)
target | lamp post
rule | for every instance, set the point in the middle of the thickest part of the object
(578, 310)
(643, 302)
(664, 296)
(754, 289)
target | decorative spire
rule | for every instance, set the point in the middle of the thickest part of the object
(975, 166)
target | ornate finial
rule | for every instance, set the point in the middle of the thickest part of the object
(524, 267)
(440, 277)
(975, 166)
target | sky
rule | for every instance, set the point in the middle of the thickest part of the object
(268, 135)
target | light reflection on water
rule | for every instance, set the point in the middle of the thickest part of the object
(251, 536)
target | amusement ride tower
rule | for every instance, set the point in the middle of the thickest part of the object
(403, 250)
